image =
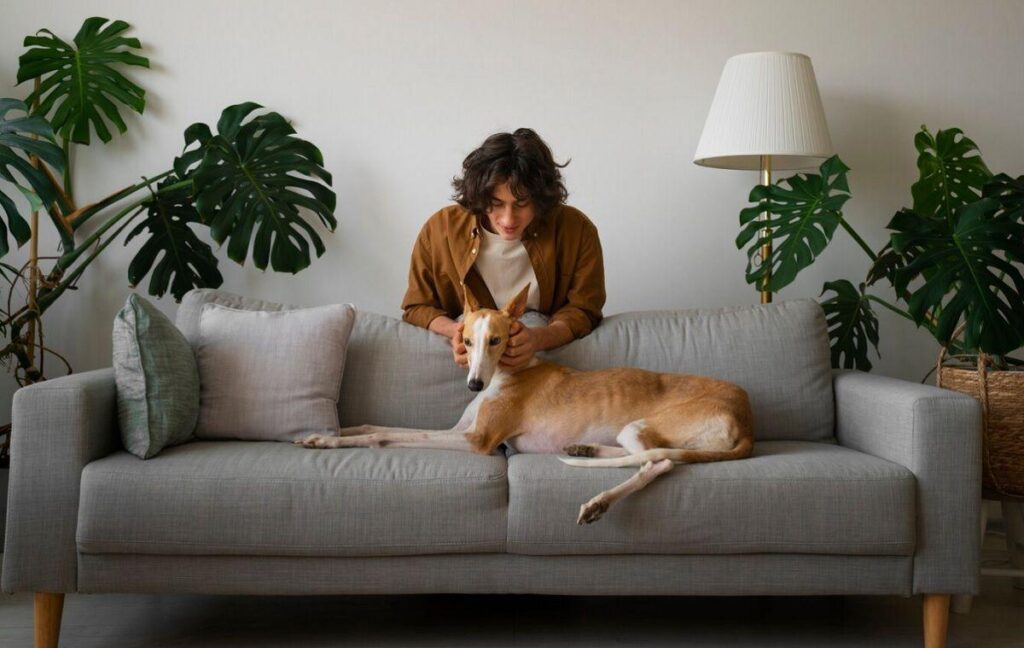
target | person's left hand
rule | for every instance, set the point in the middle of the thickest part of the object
(522, 344)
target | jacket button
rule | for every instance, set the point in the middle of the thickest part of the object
(462, 283)
(474, 250)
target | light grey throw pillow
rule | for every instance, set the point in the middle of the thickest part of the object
(156, 377)
(270, 376)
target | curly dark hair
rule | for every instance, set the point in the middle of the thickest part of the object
(523, 160)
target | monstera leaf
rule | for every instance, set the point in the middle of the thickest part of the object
(885, 265)
(185, 262)
(16, 144)
(852, 325)
(78, 82)
(967, 272)
(250, 181)
(1010, 194)
(952, 173)
(802, 220)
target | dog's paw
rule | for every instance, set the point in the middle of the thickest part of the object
(580, 450)
(316, 441)
(592, 511)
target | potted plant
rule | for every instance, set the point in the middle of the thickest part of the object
(252, 183)
(954, 259)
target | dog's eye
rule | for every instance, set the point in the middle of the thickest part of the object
(495, 340)
(468, 342)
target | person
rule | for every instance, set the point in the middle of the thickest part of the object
(510, 226)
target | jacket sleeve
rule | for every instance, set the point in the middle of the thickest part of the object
(586, 292)
(421, 304)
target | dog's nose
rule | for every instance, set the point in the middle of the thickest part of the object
(475, 384)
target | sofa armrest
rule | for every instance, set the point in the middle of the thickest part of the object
(58, 426)
(936, 433)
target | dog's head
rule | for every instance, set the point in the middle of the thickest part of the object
(485, 333)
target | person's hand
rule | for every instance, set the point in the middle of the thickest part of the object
(522, 344)
(459, 348)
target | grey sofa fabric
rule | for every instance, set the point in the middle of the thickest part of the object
(736, 575)
(936, 433)
(278, 499)
(778, 352)
(59, 426)
(400, 375)
(789, 497)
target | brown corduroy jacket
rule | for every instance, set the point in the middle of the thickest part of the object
(564, 249)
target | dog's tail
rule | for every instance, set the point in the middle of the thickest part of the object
(741, 451)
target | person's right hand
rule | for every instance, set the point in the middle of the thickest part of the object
(459, 348)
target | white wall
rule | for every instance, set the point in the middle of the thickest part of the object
(397, 93)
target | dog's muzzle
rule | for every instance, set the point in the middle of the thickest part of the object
(476, 384)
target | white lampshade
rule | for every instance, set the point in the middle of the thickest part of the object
(767, 103)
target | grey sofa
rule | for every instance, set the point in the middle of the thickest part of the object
(859, 484)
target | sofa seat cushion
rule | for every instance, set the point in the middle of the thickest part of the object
(277, 499)
(789, 497)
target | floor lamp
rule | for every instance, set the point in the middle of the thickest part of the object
(767, 116)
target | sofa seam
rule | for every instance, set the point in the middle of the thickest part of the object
(911, 478)
(292, 546)
(707, 544)
(303, 481)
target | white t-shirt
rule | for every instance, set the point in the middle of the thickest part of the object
(505, 267)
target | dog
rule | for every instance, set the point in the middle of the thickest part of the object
(605, 418)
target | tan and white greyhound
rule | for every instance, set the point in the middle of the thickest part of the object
(656, 418)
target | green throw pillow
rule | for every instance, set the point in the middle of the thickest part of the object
(157, 380)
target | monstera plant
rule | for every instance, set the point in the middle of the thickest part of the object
(251, 183)
(953, 258)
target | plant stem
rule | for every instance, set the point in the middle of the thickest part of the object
(66, 205)
(954, 346)
(856, 237)
(49, 297)
(78, 217)
(68, 190)
(891, 307)
(65, 261)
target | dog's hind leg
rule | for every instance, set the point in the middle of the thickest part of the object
(598, 505)
(634, 438)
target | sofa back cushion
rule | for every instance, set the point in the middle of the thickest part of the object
(401, 375)
(271, 375)
(395, 373)
(779, 353)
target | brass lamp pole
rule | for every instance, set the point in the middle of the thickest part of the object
(766, 234)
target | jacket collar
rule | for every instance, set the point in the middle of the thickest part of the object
(465, 233)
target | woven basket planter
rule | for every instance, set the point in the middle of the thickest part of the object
(1001, 394)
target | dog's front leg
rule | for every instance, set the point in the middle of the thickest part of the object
(382, 437)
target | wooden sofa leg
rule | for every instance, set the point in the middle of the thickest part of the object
(936, 620)
(48, 609)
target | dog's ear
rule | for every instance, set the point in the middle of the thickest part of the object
(469, 302)
(517, 306)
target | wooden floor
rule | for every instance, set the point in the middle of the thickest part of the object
(130, 621)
